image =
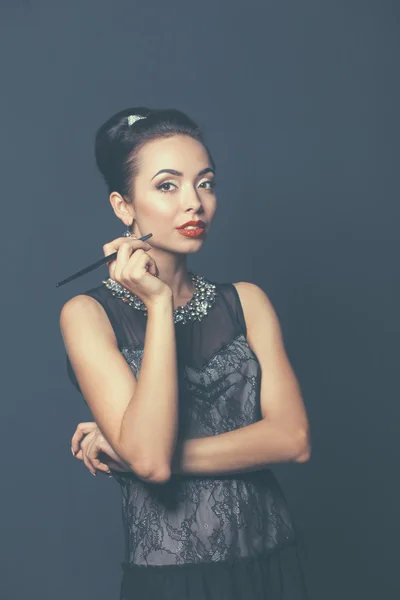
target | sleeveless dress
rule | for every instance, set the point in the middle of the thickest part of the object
(223, 537)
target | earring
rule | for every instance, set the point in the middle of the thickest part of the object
(128, 232)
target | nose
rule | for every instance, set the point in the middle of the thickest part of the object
(191, 199)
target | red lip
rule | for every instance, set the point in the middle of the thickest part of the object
(198, 224)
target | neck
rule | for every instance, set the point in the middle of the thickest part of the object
(175, 274)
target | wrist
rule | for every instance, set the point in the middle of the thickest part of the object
(162, 304)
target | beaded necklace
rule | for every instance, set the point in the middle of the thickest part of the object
(195, 310)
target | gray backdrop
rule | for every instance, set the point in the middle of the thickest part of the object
(299, 101)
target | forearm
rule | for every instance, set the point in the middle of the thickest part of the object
(249, 448)
(149, 425)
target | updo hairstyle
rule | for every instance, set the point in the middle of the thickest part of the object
(117, 143)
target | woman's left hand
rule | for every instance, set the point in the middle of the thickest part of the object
(88, 443)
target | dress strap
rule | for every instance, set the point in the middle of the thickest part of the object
(239, 309)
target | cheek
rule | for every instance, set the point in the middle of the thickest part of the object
(213, 208)
(158, 207)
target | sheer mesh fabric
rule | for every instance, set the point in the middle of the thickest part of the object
(211, 520)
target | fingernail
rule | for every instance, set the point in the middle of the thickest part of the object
(73, 453)
(93, 473)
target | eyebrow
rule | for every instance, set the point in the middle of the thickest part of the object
(179, 174)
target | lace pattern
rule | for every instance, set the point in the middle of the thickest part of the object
(198, 520)
(194, 520)
(207, 519)
(221, 396)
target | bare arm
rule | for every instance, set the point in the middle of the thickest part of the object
(137, 417)
(283, 433)
(249, 448)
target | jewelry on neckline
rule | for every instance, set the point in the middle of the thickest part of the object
(195, 309)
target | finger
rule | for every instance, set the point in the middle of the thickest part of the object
(92, 454)
(144, 263)
(85, 448)
(153, 269)
(128, 256)
(136, 268)
(120, 245)
(77, 439)
(88, 464)
(80, 432)
(100, 466)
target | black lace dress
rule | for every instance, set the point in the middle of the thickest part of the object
(224, 537)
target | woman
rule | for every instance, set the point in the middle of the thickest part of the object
(190, 441)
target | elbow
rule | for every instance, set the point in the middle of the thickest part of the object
(149, 472)
(303, 448)
(146, 467)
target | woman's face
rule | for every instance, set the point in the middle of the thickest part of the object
(165, 201)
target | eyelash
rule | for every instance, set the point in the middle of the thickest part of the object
(211, 182)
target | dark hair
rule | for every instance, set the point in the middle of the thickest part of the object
(118, 143)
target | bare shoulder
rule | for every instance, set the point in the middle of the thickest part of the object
(250, 291)
(78, 306)
(78, 302)
(83, 310)
(258, 310)
(253, 300)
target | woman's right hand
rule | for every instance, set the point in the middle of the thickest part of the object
(134, 269)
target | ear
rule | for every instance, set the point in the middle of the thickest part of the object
(124, 210)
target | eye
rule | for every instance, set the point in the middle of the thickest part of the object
(212, 183)
(162, 188)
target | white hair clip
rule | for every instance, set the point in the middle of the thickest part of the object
(133, 118)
